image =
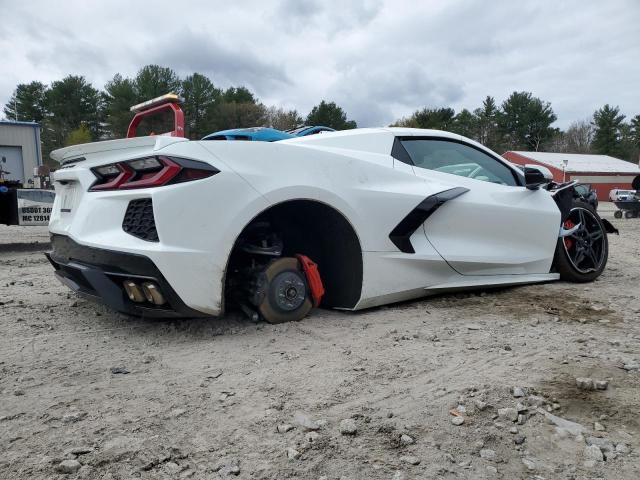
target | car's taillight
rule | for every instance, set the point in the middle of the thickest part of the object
(149, 172)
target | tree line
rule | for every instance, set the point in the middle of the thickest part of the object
(73, 111)
(524, 122)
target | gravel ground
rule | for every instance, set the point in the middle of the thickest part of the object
(423, 389)
(14, 236)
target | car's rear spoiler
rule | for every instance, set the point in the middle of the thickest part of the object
(77, 153)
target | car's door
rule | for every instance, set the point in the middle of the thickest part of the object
(491, 224)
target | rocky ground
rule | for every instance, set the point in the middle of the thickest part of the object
(537, 382)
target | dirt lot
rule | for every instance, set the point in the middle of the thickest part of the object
(226, 397)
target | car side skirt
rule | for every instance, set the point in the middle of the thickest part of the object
(458, 284)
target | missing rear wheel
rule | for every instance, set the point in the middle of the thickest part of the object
(284, 293)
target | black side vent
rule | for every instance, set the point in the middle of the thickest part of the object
(416, 217)
(139, 221)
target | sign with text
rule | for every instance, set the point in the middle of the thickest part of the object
(34, 206)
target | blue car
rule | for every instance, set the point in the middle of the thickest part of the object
(266, 134)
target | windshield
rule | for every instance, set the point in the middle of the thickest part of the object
(297, 130)
(582, 189)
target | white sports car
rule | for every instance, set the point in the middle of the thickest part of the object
(163, 226)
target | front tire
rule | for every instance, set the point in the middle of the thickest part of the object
(286, 294)
(582, 256)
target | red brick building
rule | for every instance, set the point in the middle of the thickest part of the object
(603, 172)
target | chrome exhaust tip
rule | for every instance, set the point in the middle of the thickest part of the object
(153, 294)
(133, 291)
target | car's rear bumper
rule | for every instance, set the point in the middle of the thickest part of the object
(98, 274)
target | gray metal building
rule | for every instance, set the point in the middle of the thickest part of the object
(20, 150)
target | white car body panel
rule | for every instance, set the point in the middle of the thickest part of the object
(491, 235)
(513, 229)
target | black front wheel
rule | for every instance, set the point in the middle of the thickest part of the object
(617, 214)
(582, 255)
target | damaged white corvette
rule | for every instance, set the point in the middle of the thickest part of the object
(164, 226)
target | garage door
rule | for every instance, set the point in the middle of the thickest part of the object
(11, 162)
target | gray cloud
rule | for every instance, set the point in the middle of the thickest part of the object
(190, 51)
(380, 59)
(371, 93)
(328, 18)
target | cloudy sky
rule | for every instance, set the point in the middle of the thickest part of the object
(378, 59)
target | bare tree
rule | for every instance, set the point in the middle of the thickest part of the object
(558, 143)
(579, 137)
(281, 119)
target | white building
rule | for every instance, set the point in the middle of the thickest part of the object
(20, 150)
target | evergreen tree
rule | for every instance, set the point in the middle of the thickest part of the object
(70, 102)
(119, 96)
(635, 139)
(239, 115)
(152, 81)
(200, 100)
(488, 131)
(238, 108)
(28, 103)
(525, 121)
(432, 118)
(238, 95)
(635, 126)
(608, 122)
(466, 124)
(329, 114)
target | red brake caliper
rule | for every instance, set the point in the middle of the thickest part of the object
(313, 278)
(568, 225)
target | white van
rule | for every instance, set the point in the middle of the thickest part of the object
(618, 195)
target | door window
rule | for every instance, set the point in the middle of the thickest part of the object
(458, 159)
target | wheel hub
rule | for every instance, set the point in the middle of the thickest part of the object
(290, 290)
(291, 293)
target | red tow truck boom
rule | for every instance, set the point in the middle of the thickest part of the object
(170, 101)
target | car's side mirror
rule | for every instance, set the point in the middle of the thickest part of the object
(536, 175)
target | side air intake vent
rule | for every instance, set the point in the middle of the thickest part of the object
(139, 221)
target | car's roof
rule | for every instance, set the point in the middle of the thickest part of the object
(421, 132)
(374, 140)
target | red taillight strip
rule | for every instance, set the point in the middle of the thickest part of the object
(174, 170)
(169, 170)
(125, 174)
